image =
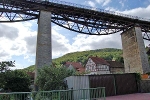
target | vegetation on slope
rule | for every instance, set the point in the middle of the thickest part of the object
(107, 54)
(30, 68)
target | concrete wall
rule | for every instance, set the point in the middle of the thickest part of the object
(134, 53)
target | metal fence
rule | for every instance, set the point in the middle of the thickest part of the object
(115, 84)
(81, 94)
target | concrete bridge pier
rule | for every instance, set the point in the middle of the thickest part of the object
(43, 48)
(134, 53)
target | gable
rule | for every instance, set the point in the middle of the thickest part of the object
(90, 65)
(98, 60)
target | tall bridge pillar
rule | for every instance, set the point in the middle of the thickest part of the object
(43, 49)
(134, 53)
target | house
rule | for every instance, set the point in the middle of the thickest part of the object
(96, 65)
(116, 67)
(76, 66)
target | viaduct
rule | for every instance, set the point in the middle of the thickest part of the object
(81, 19)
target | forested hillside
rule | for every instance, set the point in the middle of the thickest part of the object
(107, 54)
(30, 68)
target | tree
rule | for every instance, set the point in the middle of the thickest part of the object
(29, 69)
(15, 81)
(51, 78)
(120, 59)
(2, 80)
(5, 65)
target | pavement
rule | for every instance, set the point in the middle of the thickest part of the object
(136, 96)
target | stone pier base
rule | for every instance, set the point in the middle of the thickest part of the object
(134, 53)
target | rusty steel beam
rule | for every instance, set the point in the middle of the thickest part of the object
(78, 18)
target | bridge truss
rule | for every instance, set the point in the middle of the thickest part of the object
(78, 18)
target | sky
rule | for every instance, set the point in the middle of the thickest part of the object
(18, 40)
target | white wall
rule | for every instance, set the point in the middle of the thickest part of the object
(92, 68)
(78, 82)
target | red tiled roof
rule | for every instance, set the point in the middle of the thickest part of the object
(98, 60)
(115, 64)
(81, 70)
(78, 66)
(74, 64)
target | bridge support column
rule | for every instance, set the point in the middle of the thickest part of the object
(134, 53)
(43, 49)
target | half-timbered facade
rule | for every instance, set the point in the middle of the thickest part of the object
(96, 65)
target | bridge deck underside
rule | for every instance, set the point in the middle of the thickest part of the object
(79, 19)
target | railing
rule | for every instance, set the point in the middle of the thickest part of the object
(81, 94)
(92, 8)
(16, 96)
(98, 9)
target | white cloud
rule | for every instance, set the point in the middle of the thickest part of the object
(111, 9)
(60, 44)
(100, 1)
(11, 34)
(106, 2)
(103, 2)
(140, 12)
(122, 3)
(87, 42)
(31, 44)
(136, 12)
(91, 3)
(12, 40)
(4, 55)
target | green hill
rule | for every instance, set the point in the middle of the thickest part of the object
(30, 68)
(107, 54)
